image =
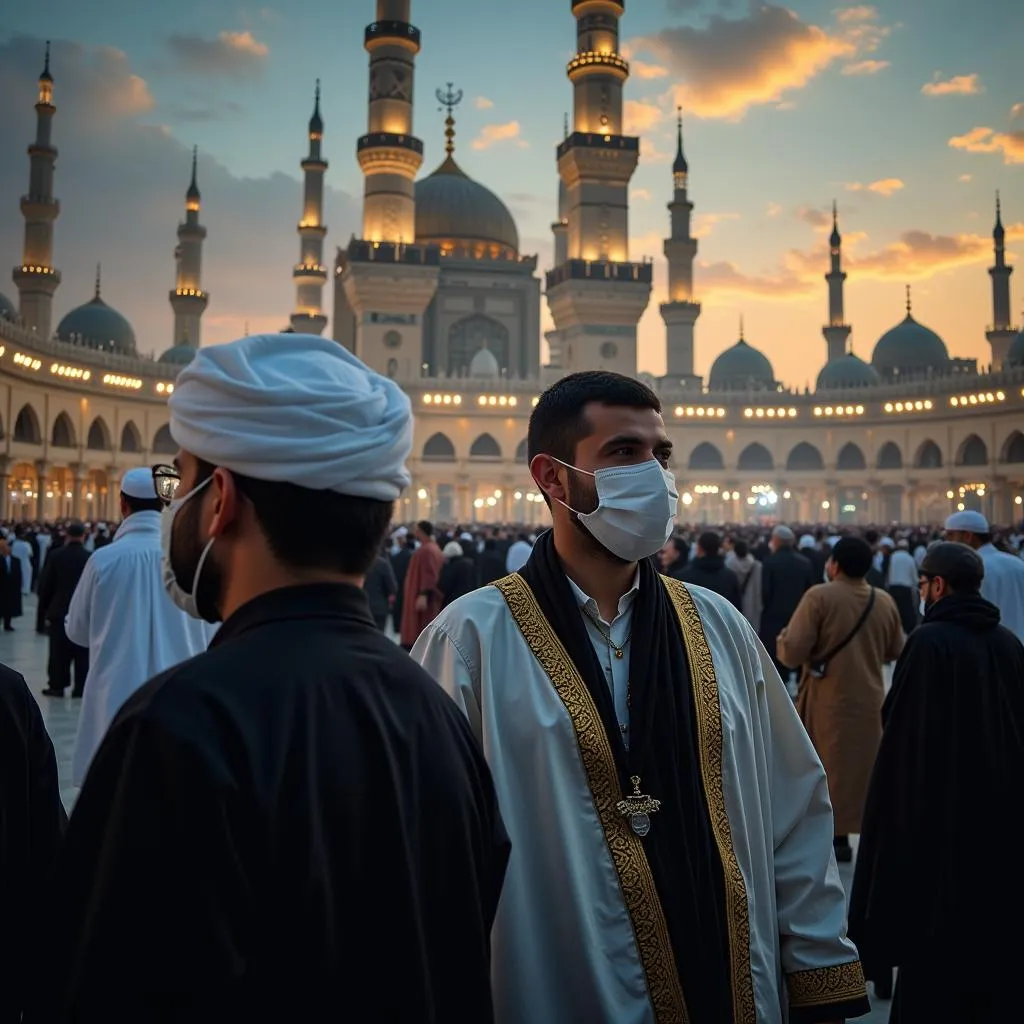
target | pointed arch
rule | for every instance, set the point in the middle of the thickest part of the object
(131, 439)
(26, 426)
(706, 456)
(929, 456)
(755, 456)
(63, 433)
(163, 443)
(485, 447)
(890, 456)
(438, 449)
(973, 452)
(98, 438)
(851, 457)
(1013, 449)
(805, 458)
(522, 452)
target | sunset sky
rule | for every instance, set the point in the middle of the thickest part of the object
(909, 113)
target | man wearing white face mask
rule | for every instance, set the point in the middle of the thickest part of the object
(670, 823)
(122, 613)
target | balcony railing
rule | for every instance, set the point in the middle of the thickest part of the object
(392, 30)
(384, 140)
(601, 270)
(593, 59)
(362, 251)
(592, 140)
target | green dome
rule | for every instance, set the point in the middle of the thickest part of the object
(99, 326)
(453, 209)
(909, 348)
(179, 355)
(847, 372)
(742, 368)
(1015, 357)
(8, 310)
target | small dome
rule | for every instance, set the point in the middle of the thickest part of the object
(452, 208)
(179, 355)
(484, 364)
(909, 348)
(8, 311)
(1015, 356)
(99, 326)
(849, 371)
(742, 368)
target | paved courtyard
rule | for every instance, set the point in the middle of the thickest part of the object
(25, 651)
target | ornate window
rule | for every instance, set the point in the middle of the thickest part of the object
(392, 339)
(609, 350)
(63, 435)
(99, 436)
(26, 426)
(471, 334)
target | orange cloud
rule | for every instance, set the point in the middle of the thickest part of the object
(642, 195)
(491, 134)
(644, 70)
(987, 140)
(884, 187)
(639, 116)
(233, 54)
(958, 85)
(705, 223)
(773, 210)
(855, 15)
(1017, 110)
(964, 178)
(866, 67)
(483, 103)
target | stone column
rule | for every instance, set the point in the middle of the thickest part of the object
(113, 505)
(43, 469)
(78, 474)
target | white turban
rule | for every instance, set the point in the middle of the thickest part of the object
(294, 408)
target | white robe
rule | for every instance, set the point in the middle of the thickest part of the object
(122, 613)
(22, 551)
(1003, 585)
(564, 947)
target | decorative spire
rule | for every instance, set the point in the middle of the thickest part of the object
(97, 295)
(909, 309)
(449, 100)
(680, 166)
(835, 239)
(46, 76)
(193, 188)
(999, 234)
(742, 338)
(316, 122)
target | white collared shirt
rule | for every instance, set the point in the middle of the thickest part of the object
(616, 670)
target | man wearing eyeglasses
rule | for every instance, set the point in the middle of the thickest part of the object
(934, 891)
(298, 824)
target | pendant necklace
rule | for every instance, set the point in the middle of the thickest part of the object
(638, 807)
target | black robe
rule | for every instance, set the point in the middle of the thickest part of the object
(935, 888)
(32, 821)
(297, 825)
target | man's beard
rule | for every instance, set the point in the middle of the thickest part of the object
(583, 498)
(187, 546)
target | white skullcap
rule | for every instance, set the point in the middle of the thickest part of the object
(834, 539)
(784, 533)
(294, 408)
(806, 541)
(465, 536)
(453, 549)
(969, 522)
(887, 542)
(137, 483)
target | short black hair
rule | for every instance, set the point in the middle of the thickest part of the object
(76, 529)
(871, 536)
(141, 504)
(558, 423)
(958, 564)
(740, 548)
(853, 556)
(709, 542)
(282, 508)
(425, 526)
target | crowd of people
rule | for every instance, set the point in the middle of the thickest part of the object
(575, 788)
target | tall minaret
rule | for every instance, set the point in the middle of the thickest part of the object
(310, 274)
(1002, 332)
(837, 330)
(680, 312)
(596, 295)
(36, 278)
(188, 300)
(388, 281)
(560, 228)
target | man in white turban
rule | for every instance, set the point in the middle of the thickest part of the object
(262, 821)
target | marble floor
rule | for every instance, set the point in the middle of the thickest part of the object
(25, 651)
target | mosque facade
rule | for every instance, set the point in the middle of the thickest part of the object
(435, 293)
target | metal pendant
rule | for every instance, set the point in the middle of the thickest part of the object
(618, 652)
(637, 808)
(640, 824)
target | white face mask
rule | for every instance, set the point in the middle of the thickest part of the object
(184, 599)
(636, 508)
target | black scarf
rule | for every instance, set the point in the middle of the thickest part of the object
(680, 847)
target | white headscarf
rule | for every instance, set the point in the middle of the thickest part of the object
(298, 409)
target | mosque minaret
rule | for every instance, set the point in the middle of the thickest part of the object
(387, 280)
(188, 300)
(1002, 332)
(680, 313)
(309, 274)
(837, 330)
(36, 278)
(597, 296)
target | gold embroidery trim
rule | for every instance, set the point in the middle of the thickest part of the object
(706, 701)
(635, 877)
(823, 985)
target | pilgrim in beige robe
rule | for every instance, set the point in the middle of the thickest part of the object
(843, 711)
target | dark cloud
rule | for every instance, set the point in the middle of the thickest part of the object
(222, 111)
(233, 54)
(121, 184)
